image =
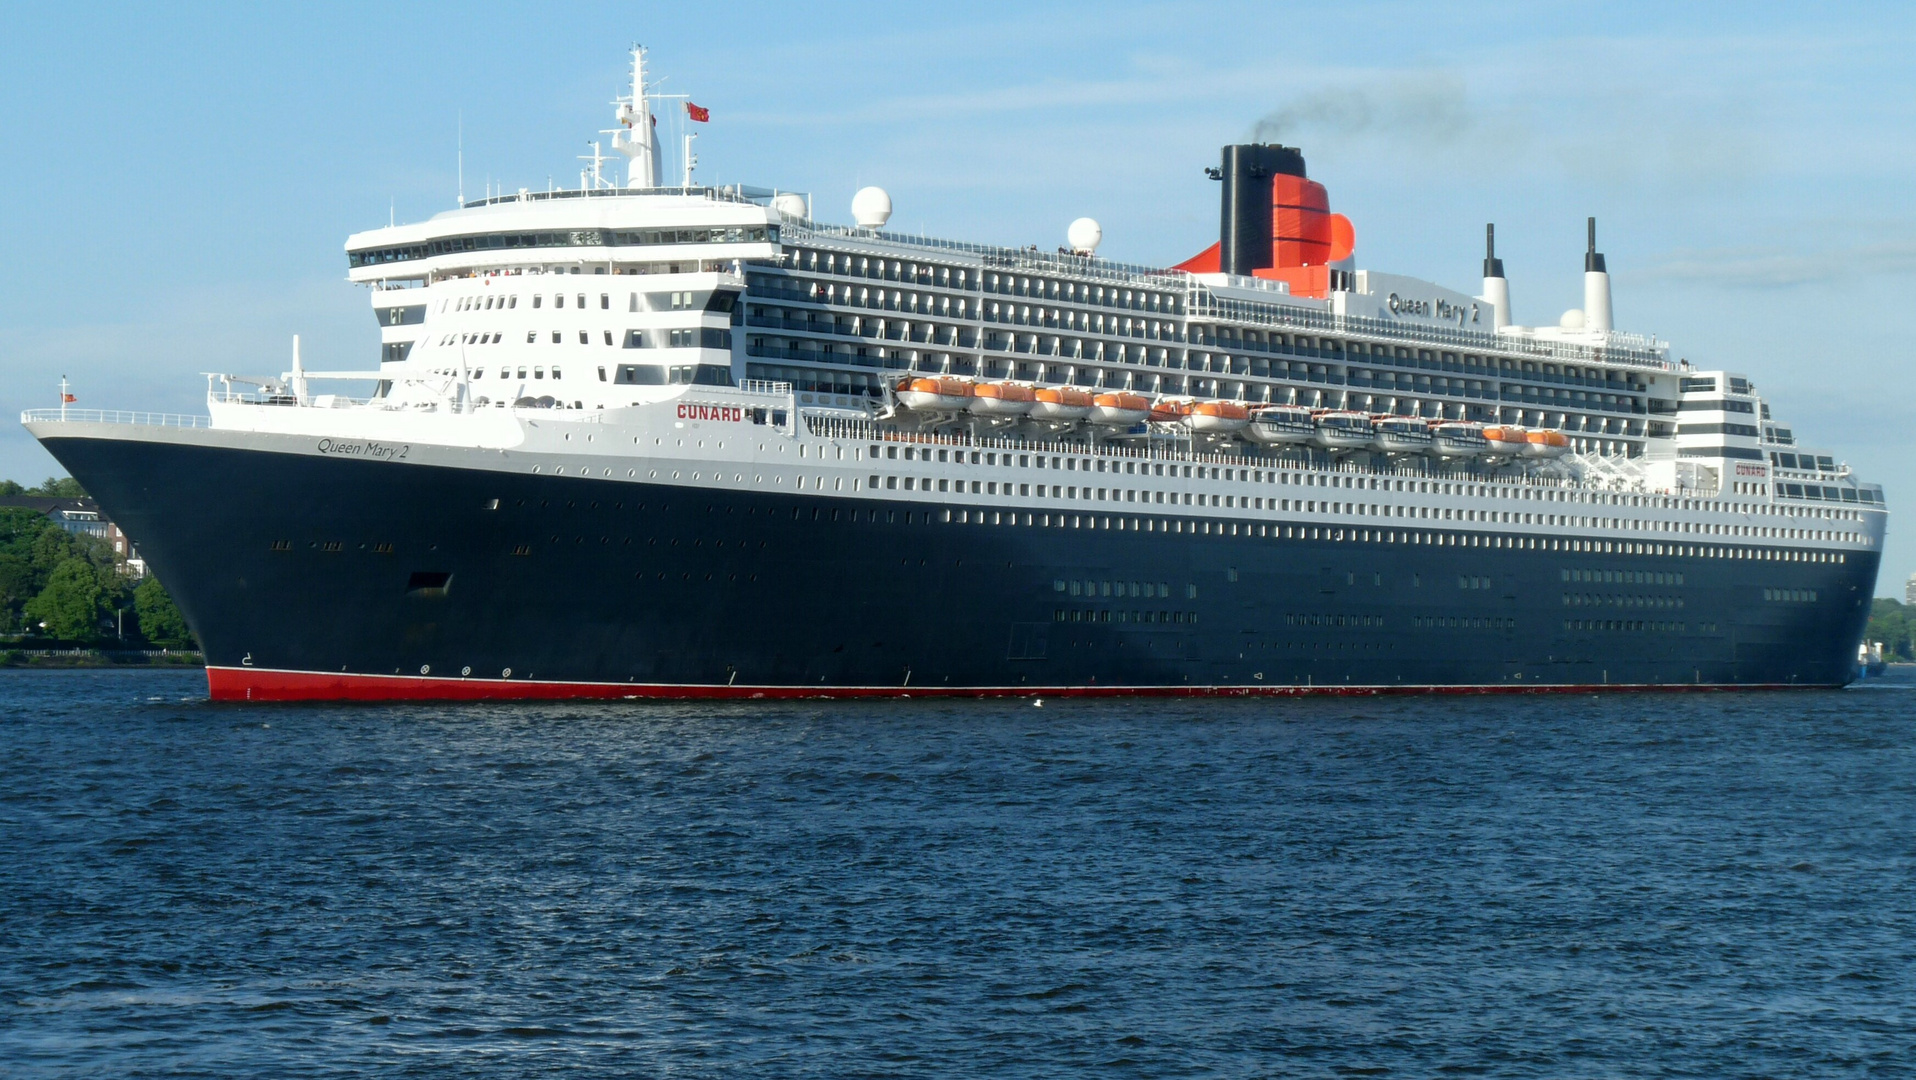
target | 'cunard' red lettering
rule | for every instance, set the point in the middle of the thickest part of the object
(731, 413)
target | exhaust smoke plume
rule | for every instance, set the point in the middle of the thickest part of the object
(1428, 108)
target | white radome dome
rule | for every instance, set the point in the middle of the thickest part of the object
(789, 204)
(1572, 319)
(1084, 235)
(871, 208)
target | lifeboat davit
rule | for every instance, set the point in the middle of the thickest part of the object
(1276, 425)
(1002, 399)
(1457, 439)
(1218, 417)
(1170, 411)
(1507, 440)
(1338, 429)
(935, 394)
(1546, 444)
(1060, 403)
(1400, 435)
(1120, 410)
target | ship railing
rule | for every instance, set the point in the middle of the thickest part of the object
(715, 194)
(765, 387)
(1027, 259)
(114, 416)
(1625, 349)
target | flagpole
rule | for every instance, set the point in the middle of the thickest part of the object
(63, 397)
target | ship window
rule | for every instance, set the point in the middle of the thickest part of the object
(536, 297)
(585, 337)
(581, 300)
(538, 373)
(555, 337)
(428, 583)
(555, 372)
(601, 374)
(640, 375)
(605, 301)
(522, 373)
(558, 300)
(608, 337)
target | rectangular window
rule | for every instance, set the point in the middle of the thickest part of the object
(639, 375)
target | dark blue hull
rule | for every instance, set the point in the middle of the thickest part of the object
(351, 569)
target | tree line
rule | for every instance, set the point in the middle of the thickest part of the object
(62, 588)
(1894, 624)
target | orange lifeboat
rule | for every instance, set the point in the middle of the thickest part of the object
(1546, 444)
(1168, 411)
(1002, 399)
(935, 394)
(1506, 440)
(1061, 403)
(1119, 410)
(1218, 417)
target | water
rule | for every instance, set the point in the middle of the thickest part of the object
(1651, 885)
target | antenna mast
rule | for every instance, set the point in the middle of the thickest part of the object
(638, 136)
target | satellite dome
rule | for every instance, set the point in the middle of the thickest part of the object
(1572, 319)
(871, 208)
(1084, 235)
(789, 204)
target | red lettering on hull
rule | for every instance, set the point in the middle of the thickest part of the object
(728, 413)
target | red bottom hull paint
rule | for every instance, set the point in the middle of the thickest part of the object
(256, 684)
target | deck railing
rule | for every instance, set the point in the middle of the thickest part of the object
(114, 416)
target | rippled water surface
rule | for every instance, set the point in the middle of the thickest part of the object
(1649, 885)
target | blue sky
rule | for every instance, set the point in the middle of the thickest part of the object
(177, 183)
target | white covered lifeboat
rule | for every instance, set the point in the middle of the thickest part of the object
(1457, 438)
(1275, 425)
(1340, 429)
(1400, 434)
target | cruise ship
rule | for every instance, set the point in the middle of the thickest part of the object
(639, 439)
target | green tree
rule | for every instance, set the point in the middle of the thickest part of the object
(11, 487)
(1891, 623)
(72, 604)
(160, 620)
(62, 487)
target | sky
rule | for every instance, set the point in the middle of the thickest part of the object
(178, 181)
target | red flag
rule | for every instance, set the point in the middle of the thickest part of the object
(68, 399)
(698, 113)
